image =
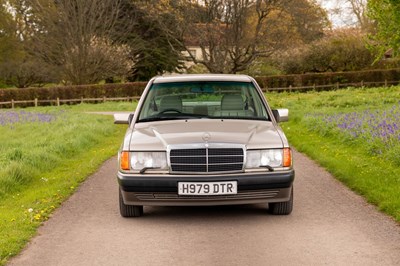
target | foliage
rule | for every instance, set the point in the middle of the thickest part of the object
(386, 14)
(15, 69)
(307, 20)
(26, 72)
(74, 92)
(233, 34)
(341, 50)
(263, 67)
(77, 37)
(378, 129)
(371, 76)
(83, 42)
(21, 213)
(39, 147)
(18, 67)
(7, 37)
(351, 13)
(152, 51)
(345, 131)
(197, 69)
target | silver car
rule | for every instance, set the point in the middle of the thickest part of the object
(204, 140)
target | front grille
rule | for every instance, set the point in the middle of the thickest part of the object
(206, 159)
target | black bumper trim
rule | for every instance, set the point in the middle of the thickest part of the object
(169, 183)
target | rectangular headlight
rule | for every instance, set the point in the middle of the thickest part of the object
(140, 160)
(260, 158)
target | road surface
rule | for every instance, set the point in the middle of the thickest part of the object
(330, 225)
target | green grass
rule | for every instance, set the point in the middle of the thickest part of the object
(36, 159)
(107, 106)
(374, 175)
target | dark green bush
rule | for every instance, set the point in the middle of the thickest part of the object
(74, 92)
(368, 77)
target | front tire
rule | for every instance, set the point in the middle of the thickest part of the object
(282, 208)
(129, 210)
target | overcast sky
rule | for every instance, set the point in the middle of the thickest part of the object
(339, 12)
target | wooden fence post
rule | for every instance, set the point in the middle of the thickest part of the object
(36, 102)
(362, 83)
(12, 103)
(104, 99)
(386, 83)
(82, 99)
(58, 101)
(337, 85)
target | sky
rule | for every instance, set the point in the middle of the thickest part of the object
(339, 12)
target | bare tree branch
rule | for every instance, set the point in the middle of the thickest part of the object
(78, 37)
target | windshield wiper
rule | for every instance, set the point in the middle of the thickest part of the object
(159, 118)
(144, 169)
(268, 167)
(179, 117)
(241, 118)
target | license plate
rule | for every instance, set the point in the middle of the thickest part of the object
(207, 188)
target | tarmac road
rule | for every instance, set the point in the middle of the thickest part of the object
(330, 225)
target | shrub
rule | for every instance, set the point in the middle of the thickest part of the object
(74, 92)
(376, 77)
(339, 50)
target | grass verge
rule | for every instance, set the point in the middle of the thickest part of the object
(42, 163)
(361, 164)
(49, 152)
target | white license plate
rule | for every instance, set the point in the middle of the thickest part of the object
(207, 188)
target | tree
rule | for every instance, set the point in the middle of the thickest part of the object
(351, 13)
(150, 49)
(341, 50)
(6, 40)
(300, 23)
(230, 33)
(307, 20)
(17, 67)
(78, 38)
(85, 41)
(386, 14)
(359, 9)
(7, 37)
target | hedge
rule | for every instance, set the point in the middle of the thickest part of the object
(136, 88)
(301, 80)
(74, 92)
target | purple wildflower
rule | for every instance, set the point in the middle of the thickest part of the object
(13, 117)
(371, 126)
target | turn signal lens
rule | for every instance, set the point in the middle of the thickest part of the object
(124, 160)
(287, 157)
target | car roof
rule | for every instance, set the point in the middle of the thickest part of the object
(201, 77)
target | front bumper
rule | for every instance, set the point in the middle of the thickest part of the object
(162, 190)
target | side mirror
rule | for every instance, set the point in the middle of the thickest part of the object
(123, 118)
(281, 115)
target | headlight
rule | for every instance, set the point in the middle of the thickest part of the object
(272, 158)
(140, 160)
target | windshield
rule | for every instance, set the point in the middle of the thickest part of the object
(206, 99)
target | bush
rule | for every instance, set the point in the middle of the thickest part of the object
(372, 77)
(339, 50)
(74, 92)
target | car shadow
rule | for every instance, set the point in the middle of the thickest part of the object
(209, 212)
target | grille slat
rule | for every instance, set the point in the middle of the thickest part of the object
(206, 160)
